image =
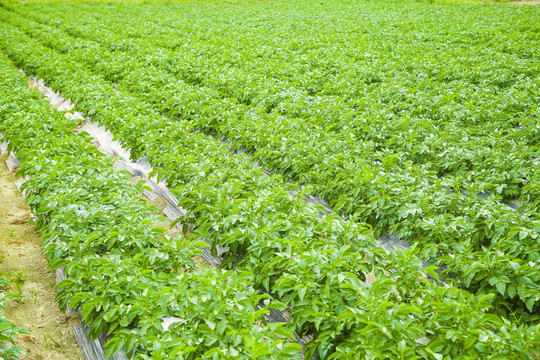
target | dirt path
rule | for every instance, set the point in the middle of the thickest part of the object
(21, 261)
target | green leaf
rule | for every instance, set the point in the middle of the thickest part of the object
(501, 287)
(113, 346)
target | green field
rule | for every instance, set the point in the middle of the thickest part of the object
(412, 120)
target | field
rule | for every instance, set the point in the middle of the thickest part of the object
(368, 169)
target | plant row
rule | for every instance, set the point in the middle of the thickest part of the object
(123, 272)
(415, 207)
(487, 129)
(313, 264)
(497, 157)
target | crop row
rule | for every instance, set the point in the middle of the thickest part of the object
(123, 272)
(309, 262)
(484, 119)
(470, 152)
(300, 226)
(390, 193)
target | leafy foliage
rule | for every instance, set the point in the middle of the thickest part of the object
(116, 261)
(400, 141)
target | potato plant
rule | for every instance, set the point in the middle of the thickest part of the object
(434, 164)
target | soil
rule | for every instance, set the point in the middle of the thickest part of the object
(52, 336)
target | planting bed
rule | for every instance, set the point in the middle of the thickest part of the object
(363, 176)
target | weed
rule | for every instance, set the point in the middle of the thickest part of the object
(51, 342)
(34, 295)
